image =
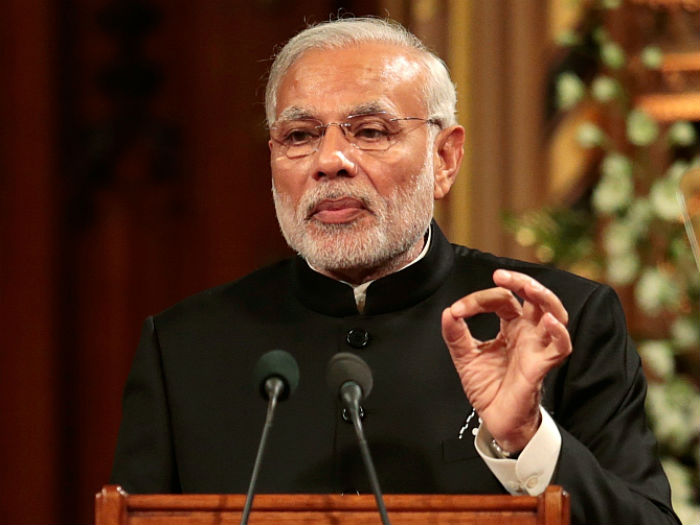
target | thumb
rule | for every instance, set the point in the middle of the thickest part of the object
(456, 334)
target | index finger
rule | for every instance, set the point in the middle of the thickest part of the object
(533, 291)
(492, 300)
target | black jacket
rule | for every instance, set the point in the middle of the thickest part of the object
(192, 418)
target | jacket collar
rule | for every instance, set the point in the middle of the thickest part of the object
(391, 293)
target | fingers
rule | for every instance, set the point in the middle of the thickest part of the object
(458, 338)
(533, 292)
(497, 300)
(455, 331)
(559, 340)
(551, 342)
(542, 310)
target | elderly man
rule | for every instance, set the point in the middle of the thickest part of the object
(542, 388)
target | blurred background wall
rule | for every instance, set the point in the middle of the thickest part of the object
(134, 172)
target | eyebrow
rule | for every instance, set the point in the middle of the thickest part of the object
(299, 113)
(295, 113)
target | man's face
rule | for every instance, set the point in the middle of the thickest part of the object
(340, 207)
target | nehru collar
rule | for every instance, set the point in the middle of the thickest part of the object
(396, 291)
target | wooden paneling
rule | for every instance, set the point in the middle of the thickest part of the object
(112, 208)
(28, 250)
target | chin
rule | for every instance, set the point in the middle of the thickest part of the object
(343, 246)
(364, 248)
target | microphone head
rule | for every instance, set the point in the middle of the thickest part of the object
(276, 363)
(344, 367)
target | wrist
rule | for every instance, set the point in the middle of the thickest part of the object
(501, 453)
(513, 443)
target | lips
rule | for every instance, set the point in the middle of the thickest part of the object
(340, 210)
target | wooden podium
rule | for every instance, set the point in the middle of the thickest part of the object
(113, 506)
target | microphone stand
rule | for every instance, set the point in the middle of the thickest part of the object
(274, 387)
(351, 394)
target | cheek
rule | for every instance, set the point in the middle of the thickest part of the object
(399, 170)
(291, 181)
(284, 177)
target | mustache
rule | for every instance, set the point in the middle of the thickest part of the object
(338, 190)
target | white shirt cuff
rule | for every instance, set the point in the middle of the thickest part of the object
(534, 468)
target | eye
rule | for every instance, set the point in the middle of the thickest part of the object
(370, 130)
(297, 133)
(299, 136)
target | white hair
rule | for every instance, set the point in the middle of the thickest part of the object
(439, 91)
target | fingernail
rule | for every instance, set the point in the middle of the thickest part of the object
(505, 274)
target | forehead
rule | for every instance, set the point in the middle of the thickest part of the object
(333, 83)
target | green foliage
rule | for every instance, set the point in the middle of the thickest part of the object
(631, 235)
(559, 235)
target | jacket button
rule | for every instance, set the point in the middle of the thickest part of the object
(357, 338)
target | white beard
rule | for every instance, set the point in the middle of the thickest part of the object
(396, 223)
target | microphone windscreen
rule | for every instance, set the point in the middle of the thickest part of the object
(344, 367)
(276, 363)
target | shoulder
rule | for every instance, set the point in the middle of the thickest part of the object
(265, 286)
(573, 290)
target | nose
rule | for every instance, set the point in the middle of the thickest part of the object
(334, 155)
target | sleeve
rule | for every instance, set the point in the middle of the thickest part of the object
(534, 468)
(608, 461)
(144, 461)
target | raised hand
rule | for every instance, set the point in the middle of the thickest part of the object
(502, 377)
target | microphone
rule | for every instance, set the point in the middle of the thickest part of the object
(275, 376)
(350, 378)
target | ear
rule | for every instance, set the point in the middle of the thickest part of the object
(449, 150)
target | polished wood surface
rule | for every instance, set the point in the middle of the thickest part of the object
(114, 506)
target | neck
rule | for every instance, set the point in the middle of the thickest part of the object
(364, 274)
